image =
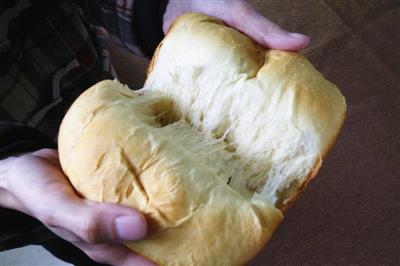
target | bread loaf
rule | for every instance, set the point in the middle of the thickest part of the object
(217, 145)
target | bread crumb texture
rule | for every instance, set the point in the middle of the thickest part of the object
(223, 136)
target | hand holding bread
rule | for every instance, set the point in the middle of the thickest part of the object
(91, 225)
(217, 145)
(242, 16)
(33, 183)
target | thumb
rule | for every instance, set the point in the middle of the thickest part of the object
(100, 222)
(39, 184)
(263, 31)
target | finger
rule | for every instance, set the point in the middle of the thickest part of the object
(113, 254)
(98, 222)
(246, 19)
(52, 200)
(50, 155)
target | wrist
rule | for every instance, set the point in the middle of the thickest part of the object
(7, 198)
(6, 166)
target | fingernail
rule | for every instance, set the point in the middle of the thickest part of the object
(129, 228)
(297, 35)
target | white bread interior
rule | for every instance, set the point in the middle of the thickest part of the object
(222, 138)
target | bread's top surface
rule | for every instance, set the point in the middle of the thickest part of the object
(216, 109)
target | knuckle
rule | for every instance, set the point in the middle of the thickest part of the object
(274, 28)
(239, 11)
(90, 230)
(44, 151)
(243, 8)
(47, 150)
(96, 256)
(47, 218)
(99, 254)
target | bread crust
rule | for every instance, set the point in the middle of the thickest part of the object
(292, 199)
(183, 214)
(194, 216)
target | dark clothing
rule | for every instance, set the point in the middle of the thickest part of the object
(50, 52)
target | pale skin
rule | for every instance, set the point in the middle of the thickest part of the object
(34, 183)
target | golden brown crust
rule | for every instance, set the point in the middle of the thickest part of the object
(291, 200)
(194, 216)
(153, 59)
(287, 203)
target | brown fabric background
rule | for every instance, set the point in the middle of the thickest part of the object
(350, 214)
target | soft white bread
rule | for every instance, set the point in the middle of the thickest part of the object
(222, 138)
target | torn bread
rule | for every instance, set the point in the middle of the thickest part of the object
(220, 141)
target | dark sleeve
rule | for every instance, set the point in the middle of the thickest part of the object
(15, 138)
(133, 24)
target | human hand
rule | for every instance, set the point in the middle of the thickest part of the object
(34, 183)
(242, 16)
